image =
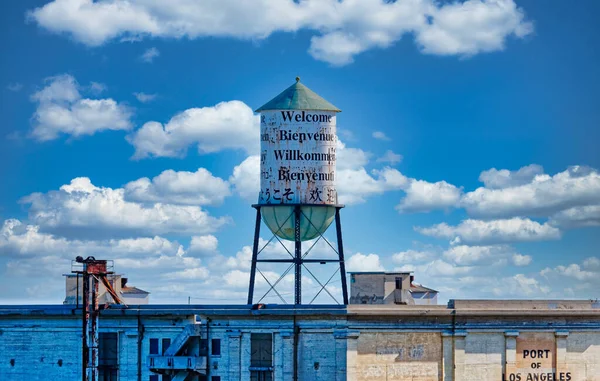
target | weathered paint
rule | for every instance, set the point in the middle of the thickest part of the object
(298, 157)
(399, 356)
(298, 166)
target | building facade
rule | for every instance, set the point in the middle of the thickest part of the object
(467, 340)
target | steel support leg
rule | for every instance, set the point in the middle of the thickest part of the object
(298, 256)
(340, 242)
(254, 256)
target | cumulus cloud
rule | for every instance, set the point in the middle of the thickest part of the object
(471, 27)
(504, 178)
(83, 208)
(580, 216)
(485, 255)
(495, 231)
(204, 244)
(521, 260)
(144, 98)
(390, 157)
(62, 110)
(362, 262)
(423, 196)
(227, 125)
(179, 187)
(245, 179)
(341, 30)
(149, 55)
(587, 273)
(441, 268)
(355, 185)
(520, 286)
(542, 196)
(20, 240)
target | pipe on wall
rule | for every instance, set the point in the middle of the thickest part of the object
(140, 328)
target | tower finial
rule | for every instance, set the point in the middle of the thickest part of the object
(297, 79)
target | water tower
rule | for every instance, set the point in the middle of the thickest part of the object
(298, 197)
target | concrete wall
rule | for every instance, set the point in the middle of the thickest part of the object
(398, 356)
(366, 287)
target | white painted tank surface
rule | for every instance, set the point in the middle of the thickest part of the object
(298, 162)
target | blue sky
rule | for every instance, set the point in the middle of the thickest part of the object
(469, 130)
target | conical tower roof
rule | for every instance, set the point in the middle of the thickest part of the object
(298, 97)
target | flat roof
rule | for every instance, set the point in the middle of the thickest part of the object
(457, 307)
(380, 272)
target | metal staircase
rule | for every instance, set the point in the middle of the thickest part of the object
(184, 358)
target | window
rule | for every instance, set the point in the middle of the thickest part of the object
(216, 347)
(154, 377)
(108, 356)
(165, 345)
(203, 351)
(153, 346)
(399, 283)
(261, 357)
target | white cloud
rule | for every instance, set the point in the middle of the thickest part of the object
(521, 260)
(182, 187)
(471, 27)
(350, 158)
(227, 125)
(150, 54)
(494, 231)
(355, 185)
(592, 264)
(190, 273)
(588, 273)
(362, 262)
(341, 30)
(423, 196)
(20, 240)
(204, 245)
(442, 268)
(485, 255)
(380, 135)
(580, 216)
(410, 256)
(14, 87)
(144, 98)
(62, 110)
(498, 179)
(520, 286)
(543, 196)
(390, 157)
(245, 179)
(82, 208)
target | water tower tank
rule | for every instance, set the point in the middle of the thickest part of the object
(297, 162)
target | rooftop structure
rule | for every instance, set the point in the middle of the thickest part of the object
(129, 295)
(389, 288)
